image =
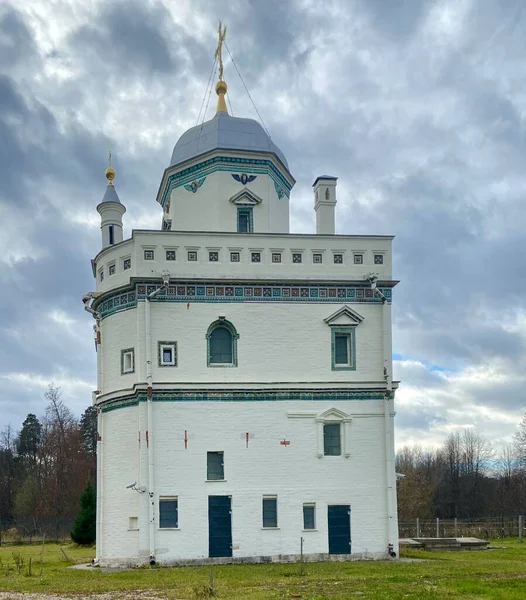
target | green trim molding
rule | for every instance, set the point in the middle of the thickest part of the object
(349, 330)
(212, 291)
(333, 395)
(126, 351)
(257, 166)
(246, 210)
(222, 322)
(160, 353)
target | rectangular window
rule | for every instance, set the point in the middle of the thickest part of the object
(167, 354)
(101, 274)
(170, 255)
(255, 257)
(192, 256)
(111, 234)
(317, 258)
(213, 256)
(168, 517)
(133, 523)
(270, 511)
(276, 257)
(244, 220)
(234, 257)
(127, 361)
(358, 259)
(111, 270)
(126, 264)
(149, 255)
(338, 259)
(378, 259)
(341, 349)
(296, 257)
(332, 445)
(215, 466)
(309, 516)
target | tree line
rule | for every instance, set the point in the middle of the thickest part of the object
(45, 467)
(464, 478)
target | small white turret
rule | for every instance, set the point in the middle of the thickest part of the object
(111, 210)
(324, 203)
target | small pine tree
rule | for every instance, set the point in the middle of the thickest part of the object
(85, 524)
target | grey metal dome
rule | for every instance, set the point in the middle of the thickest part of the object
(226, 133)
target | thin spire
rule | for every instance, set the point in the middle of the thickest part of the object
(221, 86)
(110, 173)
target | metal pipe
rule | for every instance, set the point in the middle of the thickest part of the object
(100, 451)
(392, 534)
(149, 409)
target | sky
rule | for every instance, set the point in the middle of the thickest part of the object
(418, 106)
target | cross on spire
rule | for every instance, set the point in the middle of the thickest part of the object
(221, 32)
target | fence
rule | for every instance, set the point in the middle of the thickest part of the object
(490, 528)
(32, 530)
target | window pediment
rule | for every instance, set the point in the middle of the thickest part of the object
(345, 316)
(334, 415)
(246, 198)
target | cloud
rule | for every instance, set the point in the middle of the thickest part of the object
(417, 107)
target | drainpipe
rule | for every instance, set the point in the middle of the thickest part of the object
(149, 417)
(100, 451)
(388, 418)
(87, 300)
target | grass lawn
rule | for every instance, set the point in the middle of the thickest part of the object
(470, 575)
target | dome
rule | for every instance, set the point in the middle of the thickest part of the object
(227, 133)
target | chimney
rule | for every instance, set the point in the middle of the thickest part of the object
(324, 203)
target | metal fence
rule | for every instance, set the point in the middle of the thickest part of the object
(490, 528)
(33, 530)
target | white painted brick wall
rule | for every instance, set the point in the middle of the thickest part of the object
(278, 343)
(325, 272)
(210, 209)
(294, 473)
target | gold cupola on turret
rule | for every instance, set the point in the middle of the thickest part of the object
(111, 210)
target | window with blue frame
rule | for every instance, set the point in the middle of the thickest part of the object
(270, 511)
(332, 439)
(215, 466)
(244, 220)
(222, 344)
(343, 348)
(309, 516)
(168, 509)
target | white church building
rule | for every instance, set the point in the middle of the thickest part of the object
(244, 373)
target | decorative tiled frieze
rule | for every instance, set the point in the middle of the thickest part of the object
(247, 396)
(223, 163)
(214, 292)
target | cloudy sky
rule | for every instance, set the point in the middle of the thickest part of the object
(418, 106)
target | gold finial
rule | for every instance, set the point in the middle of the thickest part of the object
(110, 173)
(221, 86)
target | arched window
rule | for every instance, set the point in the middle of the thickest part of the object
(222, 344)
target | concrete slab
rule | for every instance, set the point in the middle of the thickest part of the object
(467, 543)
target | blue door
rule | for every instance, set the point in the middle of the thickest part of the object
(339, 520)
(219, 526)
